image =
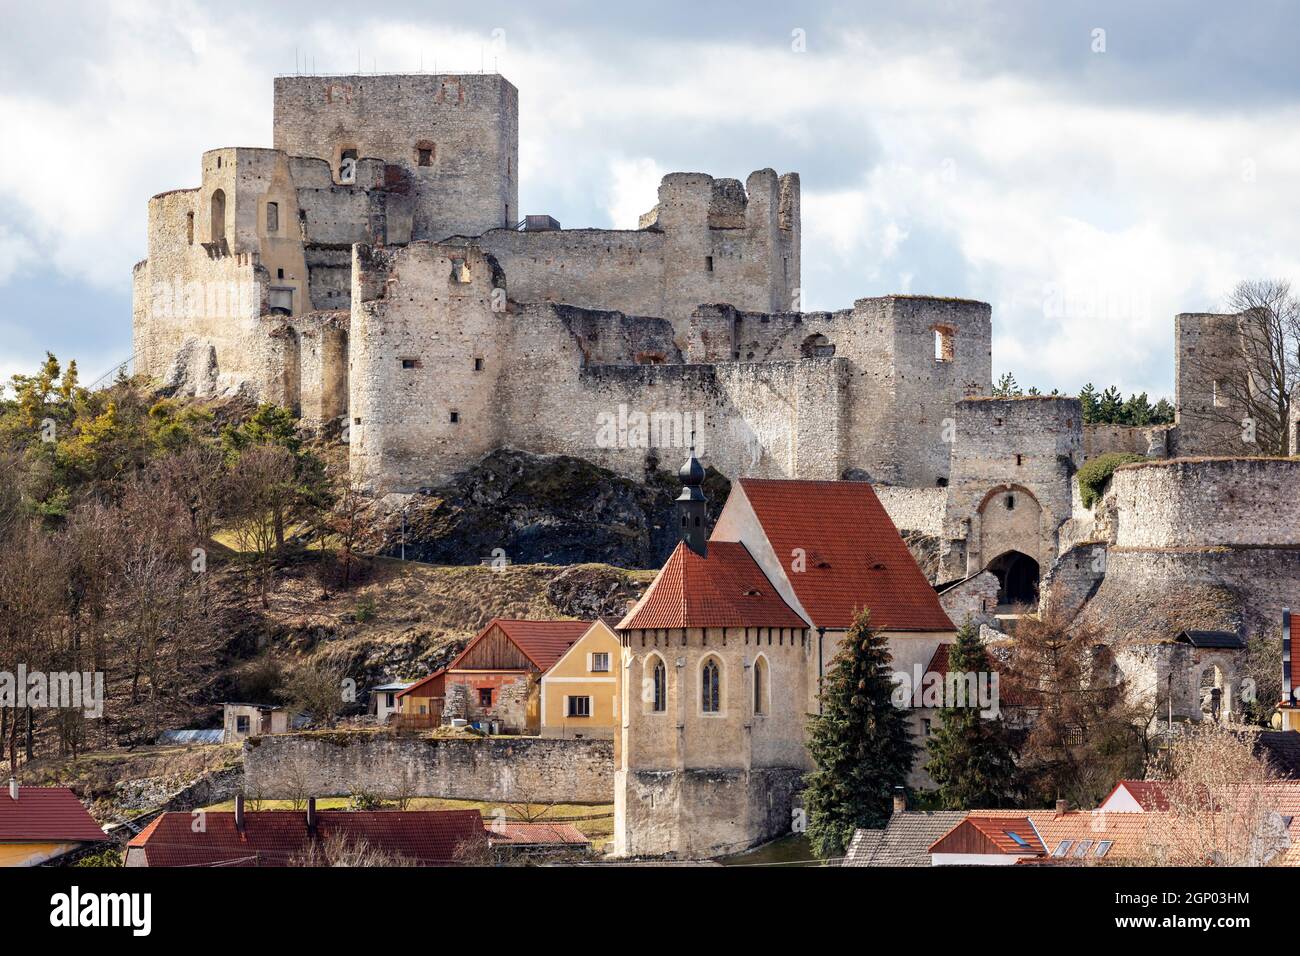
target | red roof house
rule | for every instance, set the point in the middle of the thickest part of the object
(289, 838)
(496, 679)
(38, 824)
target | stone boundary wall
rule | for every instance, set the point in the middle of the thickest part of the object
(914, 509)
(1149, 440)
(1216, 502)
(532, 769)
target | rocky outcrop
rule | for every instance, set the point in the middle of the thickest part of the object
(519, 508)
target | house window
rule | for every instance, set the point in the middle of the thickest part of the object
(272, 217)
(485, 696)
(710, 687)
(600, 662)
(659, 678)
(241, 725)
(579, 707)
(390, 701)
(760, 685)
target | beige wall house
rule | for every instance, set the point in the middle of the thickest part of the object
(241, 721)
(580, 691)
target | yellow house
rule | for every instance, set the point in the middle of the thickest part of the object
(580, 691)
(39, 824)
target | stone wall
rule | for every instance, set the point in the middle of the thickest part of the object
(1149, 440)
(913, 509)
(532, 769)
(1185, 504)
(468, 122)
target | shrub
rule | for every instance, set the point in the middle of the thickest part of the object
(1095, 475)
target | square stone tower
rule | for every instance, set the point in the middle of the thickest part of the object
(452, 138)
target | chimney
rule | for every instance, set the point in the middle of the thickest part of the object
(239, 812)
(311, 815)
(692, 506)
(1062, 806)
(900, 800)
(13, 788)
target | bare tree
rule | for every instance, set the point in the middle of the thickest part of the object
(316, 689)
(259, 496)
(1223, 802)
(339, 849)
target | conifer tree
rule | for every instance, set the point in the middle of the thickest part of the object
(971, 757)
(859, 742)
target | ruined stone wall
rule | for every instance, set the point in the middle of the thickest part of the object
(469, 123)
(1149, 440)
(1013, 462)
(708, 241)
(913, 509)
(1207, 349)
(973, 600)
(1251, 502)
(532, 769)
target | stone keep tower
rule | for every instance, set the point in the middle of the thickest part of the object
(453, 138)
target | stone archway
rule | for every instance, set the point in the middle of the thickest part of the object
(1017, 575)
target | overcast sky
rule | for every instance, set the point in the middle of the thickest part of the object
(1090, 172)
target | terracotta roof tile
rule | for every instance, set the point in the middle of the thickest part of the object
(726, 588)
(542, 642)
(46, 813)
(280, 837)
(904, 841)
(537, 834)
(855, 556)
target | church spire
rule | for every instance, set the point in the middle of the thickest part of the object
(692, 506)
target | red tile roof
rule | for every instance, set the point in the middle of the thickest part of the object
(542, 642)
(537, 834)
(855, 556)
(725, 588)
(1150, 794)
(1004, 830)
(45, 814)
(998, 655)
(280, 837)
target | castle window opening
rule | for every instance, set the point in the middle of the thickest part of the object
(817, 346)
(944, 343)
(708, 263)
(760, 683)
(1011, 502)
(455, 418)
(1020, 460)
(217, 226)
(459, 271)
(409, 363)
(280, 301)
(189, 228)
(941, 482)
(478, 365)
(424, 154)
(1220, 394)
(279, 273)
(711, 687)
(348, 167)
(272, 218)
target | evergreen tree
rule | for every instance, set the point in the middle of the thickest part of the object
(971, 758)
(859, 743)
(1109, 406)
(1088, 399)
(1006, 386)
(1162, 413)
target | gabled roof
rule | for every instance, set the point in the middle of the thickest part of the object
(1014, 835)
(1149, 794)
(43, 814)
(542, 642)
(725, 588)
(280, 837)
(537, 834)
(904, 841)
(1226, 640)
(422, 683)
(855, 556)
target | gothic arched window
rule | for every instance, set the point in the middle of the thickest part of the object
(711, 687)
(659, 678)
(760, 685)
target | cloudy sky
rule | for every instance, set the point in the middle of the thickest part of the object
(1090, 172)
